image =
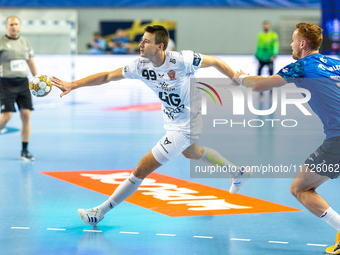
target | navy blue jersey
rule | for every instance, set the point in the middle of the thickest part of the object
(322, 79)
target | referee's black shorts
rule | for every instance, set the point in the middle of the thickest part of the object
(14, 90)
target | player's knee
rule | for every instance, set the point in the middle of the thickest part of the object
(295, 190)
(193, 152)
(5, 117)
(191, 155)
(140, 173)
(186, 154)
(25, 116)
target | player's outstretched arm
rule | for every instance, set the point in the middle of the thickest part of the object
(259, 83)
(95, 79)
(219, 64)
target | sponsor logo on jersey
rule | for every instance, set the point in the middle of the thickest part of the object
(173, 113)
(197, 59)
(166, 141)
(161, 75)
(126, 69)
(172, 60)
(144, 61)
(285, 70)
(164, 86)
(163, 147)
(171, 196)
(172, 75)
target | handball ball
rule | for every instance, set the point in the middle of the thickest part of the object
(40, 85)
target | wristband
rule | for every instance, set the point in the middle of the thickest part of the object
(241, 78)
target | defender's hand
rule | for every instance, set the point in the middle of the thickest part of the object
(64, 86)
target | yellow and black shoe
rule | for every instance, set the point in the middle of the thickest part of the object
(335, 249)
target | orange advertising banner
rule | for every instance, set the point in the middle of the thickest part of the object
(172, 196)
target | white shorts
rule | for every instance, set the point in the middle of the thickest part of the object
(175, 142)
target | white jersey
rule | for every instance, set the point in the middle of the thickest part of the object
(181, 101)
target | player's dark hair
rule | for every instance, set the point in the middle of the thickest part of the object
(161, 34)
(311, 33)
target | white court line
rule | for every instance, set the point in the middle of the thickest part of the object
(95, 231)
(238, 239)
(315, 244)
(209, 237)
(159, 234)
(278, 242)
(133, 233)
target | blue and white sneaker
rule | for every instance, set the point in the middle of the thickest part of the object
(237, 182)
(91, 216)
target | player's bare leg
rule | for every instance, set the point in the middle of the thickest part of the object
(25, 134)
(303, 188)
(4, 118)
(147, 165)
(193, 151)
(211, 157)
(26, 125)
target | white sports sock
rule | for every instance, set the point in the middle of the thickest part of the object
(123, 191)
(213, 158)
(332, 218)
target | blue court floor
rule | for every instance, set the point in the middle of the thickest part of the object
(77, 133)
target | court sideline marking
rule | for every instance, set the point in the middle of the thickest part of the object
(159, 234)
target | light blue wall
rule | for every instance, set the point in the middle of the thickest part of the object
(205, 30)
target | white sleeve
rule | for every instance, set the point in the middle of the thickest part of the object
(130, 70)
(192, 60)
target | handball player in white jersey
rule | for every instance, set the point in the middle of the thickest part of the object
(168, 74)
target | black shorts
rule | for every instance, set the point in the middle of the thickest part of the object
(14, 90)
(325, 160)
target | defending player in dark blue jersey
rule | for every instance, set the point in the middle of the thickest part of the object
(320, 75)
(324, 82)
